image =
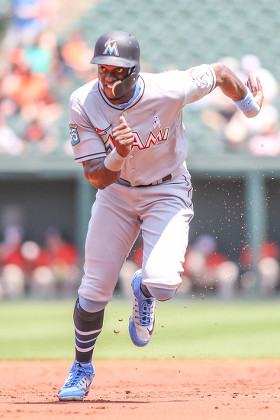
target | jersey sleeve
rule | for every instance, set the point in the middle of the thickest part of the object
(199, 81)
(86, 142)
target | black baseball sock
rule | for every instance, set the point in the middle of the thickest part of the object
(88, 326)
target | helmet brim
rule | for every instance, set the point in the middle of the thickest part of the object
(113, 61)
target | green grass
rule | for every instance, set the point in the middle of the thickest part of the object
(187, 329)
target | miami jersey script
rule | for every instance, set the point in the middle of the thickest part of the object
(155, 118)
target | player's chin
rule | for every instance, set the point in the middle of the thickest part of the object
(112, 98)
(108, 92)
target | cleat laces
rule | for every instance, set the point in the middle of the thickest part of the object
(77, 378)
(145, 312)
(142, 320)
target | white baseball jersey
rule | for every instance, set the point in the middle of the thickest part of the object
(155, 117)
(162, 212)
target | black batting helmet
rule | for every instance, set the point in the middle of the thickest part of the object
(118, 48)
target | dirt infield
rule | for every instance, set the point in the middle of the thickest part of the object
(200, 390)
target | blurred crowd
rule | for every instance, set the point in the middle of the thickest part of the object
(257, 136)
(54, 268)
(39, 69)
(210, 272)
(37, 73)
(28, 269)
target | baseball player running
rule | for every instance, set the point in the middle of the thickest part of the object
(127, 130)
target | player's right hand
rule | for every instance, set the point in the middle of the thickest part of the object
(123, 137)
(255, 86)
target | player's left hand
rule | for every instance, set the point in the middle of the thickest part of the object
(255, 86)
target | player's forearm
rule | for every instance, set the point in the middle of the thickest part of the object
(229, 82)
(247, 97)
(98, 175)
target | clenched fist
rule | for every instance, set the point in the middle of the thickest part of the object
(123, 137)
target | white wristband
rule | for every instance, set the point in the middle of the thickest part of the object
(114, 162)
(248, 105)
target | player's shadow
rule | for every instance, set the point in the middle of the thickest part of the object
(101, 401)
(84, 402)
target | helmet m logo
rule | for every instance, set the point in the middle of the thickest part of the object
(111, 48)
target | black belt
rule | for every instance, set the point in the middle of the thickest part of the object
(127, 183)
